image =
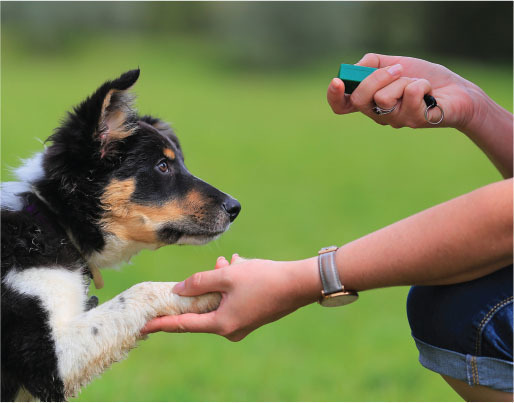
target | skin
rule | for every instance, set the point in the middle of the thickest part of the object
(440, 245)
(467, 108)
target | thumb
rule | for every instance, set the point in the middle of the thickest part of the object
(201, 283)
(186, 323)
(378, 61)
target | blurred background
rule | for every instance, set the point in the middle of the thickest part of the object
(244, 85)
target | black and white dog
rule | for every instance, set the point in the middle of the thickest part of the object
(110, 184)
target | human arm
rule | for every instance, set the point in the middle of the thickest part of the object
(458, 240)
(467, 108)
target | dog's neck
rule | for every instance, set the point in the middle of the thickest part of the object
(46, 221)
(41, 214)
(113, 254)
(116, 252)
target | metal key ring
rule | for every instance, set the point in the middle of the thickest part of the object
(426, 114)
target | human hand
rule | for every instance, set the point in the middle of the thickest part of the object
(254, 292)
(403, 81)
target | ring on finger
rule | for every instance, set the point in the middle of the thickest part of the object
(383, 111)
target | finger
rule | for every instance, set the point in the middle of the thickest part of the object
(202, 283)
(237, 259)
(377, 60)
(413, 105)
(337, 99)
(221, 262)
(362, 97)
(389, 96)
(186, 323)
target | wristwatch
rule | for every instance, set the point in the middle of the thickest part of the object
(333, 293)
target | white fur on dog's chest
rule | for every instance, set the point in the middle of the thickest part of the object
(62, 292)
(87, 342)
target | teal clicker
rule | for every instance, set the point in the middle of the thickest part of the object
(352, 75)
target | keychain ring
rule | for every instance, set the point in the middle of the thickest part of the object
(434, 122)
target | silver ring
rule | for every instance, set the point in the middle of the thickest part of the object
(383, 111)
(434, 122)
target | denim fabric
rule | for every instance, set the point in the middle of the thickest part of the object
(466, 330)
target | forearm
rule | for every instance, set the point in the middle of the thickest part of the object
(459, 240)
(491, 129)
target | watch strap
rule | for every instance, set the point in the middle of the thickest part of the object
(328, 271)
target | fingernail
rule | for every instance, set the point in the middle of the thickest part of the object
(220, 258)
(395, 70)
(179, 287)
(235, 255)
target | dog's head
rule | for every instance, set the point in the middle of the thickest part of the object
(116, 177)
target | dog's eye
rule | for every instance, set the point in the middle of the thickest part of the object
(163, 166)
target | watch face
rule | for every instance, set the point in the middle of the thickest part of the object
(339, 298)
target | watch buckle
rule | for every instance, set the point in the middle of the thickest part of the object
(327, 249)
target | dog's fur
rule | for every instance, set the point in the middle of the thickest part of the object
(110, 184)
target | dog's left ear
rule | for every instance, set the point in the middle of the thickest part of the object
(108, 113)
(116, 117)
(115, 121)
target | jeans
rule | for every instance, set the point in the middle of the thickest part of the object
(465, 330)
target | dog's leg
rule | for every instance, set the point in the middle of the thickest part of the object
(90, 343)
(87, 342)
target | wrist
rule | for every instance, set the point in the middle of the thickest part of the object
(472, 99)
(490, 128)
(480, 112)
(305, 282)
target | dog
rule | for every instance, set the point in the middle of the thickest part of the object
(110, 184)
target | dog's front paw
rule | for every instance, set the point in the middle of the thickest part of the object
(161, 300)
(200, 304)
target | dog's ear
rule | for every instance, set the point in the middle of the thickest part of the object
(108, 114)
(116, 112)
(94, 128)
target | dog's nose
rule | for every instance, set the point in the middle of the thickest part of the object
(232, 207)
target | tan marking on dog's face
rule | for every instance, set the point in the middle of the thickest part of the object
(168, 152)
(195, 198)
(135, 222)
(194, 203)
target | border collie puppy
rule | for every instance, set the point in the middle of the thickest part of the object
(110, 184)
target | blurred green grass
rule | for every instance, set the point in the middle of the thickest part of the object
(271, 141)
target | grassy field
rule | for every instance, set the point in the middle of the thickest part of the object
(270, 140)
